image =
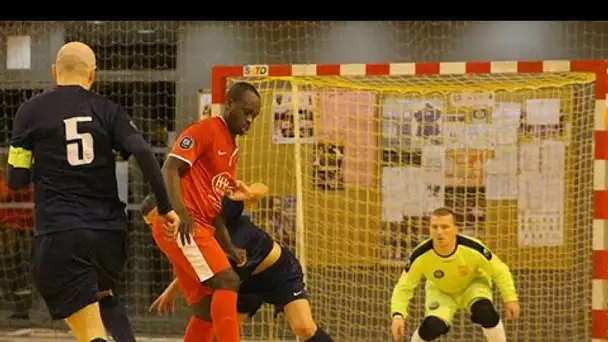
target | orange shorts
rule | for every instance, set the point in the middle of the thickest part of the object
(194, 263)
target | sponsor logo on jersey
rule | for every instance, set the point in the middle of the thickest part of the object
(219, 184)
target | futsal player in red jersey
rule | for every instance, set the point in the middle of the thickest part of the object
(199, 171)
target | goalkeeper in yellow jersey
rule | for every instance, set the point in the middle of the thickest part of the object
(459, 272)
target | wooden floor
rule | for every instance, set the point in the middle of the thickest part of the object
(45, 335)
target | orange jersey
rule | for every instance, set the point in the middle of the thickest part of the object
(208, 147)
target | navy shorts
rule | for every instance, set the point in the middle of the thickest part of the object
(279, 285)
(69, 268)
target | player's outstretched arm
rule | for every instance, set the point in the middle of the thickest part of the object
(20, 152)
(164, 304)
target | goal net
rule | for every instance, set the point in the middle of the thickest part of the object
(356, 164)
(372, 160)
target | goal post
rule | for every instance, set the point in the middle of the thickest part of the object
(516, 149)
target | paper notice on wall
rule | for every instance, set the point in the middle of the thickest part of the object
(433, 164)
(505, 123)
(540, 193)
(504, 161)
(553, 159)
(393, 191)
(479, 136)
(529, 157)
(454, 135)
(536, 229)
(501, 186)
(414, 191)
(433, 197)
(542, 111)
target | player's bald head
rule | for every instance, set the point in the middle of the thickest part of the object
(74, 60)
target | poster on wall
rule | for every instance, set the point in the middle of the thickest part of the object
(542, 192)
(501, 178)
(465, 168)
(204, 104)
(410, 192)
(328, 166)
(506, 120)
(478, 132)
(411, 123)
(346, 131)
(283, 127)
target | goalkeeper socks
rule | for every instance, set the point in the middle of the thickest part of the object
(115, 319)
(495, 334)
(198, 331)
(320, 336)
(224, 315)
(416, 337)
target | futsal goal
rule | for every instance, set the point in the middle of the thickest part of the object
(356, 156)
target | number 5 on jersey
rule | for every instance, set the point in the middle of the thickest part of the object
(76, 142)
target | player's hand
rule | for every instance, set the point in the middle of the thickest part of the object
(186, 229)
(164, 304)
(240, 192)
(513, 310)
(398, 328)
(239, 256)
(171, 222)
(257, 191)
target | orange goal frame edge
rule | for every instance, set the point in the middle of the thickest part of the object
(599, 315)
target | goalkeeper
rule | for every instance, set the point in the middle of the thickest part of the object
(459, 271)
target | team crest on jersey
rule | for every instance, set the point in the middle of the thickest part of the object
(438, 274)
(434, 305)
(462, 270)
(186, 143)
(220, 183)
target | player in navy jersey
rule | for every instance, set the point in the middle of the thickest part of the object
(270, 274)
(79, 250)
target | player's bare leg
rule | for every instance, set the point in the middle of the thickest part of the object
(86, 324)
(484, 314)
(299, 317)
